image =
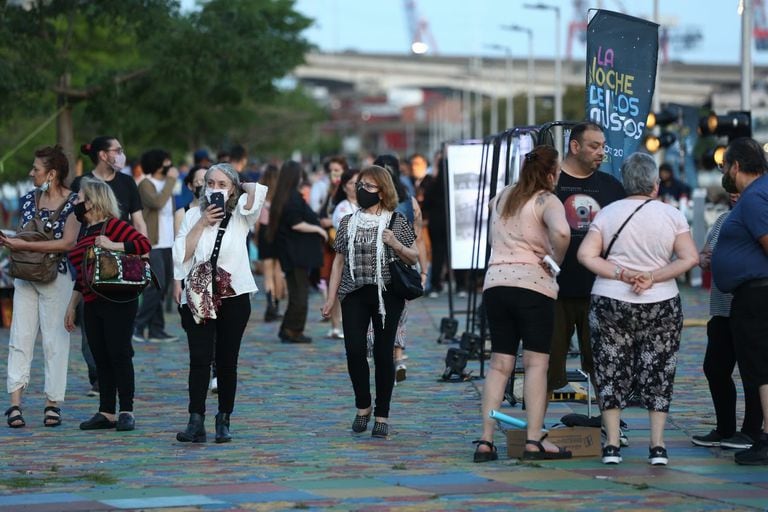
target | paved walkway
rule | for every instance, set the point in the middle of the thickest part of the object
(293, 448)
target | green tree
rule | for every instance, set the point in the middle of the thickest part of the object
(141, 70)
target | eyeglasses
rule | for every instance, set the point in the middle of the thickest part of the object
(370, 187)
(119, 151)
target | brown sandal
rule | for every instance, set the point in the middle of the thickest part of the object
(543, 454)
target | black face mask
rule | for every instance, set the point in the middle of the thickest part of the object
(198, 191)
(80, 211)
(367, 199)
(166, 168)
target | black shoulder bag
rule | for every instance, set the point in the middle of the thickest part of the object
(616, 235)
(406, 282)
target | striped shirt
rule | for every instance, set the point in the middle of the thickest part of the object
(117, 231)
(719, 302)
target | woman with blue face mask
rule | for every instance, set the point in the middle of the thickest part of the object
(41, 306)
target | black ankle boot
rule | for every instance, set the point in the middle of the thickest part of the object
(222, 428)
(195, 432)
(270, 315)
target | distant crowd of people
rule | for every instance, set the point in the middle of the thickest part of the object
(575, 252)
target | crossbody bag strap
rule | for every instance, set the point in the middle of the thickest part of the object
(616, 235)
(55, 215)
(216, 248)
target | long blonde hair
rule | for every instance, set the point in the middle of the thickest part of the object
(103, 200)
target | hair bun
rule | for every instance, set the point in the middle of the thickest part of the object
(530, 156)
(85, 149)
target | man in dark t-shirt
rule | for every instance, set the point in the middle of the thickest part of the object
(584, 191)
(127, 194)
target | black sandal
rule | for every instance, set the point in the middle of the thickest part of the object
(485, 456)
(543, 454)
(15, 421)
(52, 420)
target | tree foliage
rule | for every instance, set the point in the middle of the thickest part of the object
(149, 74)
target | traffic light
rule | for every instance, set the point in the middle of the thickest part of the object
(663, 118)
(654, 142)
(664, 140)
(713, 157)
(732, 125)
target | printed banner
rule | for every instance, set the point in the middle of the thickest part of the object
(622, 52)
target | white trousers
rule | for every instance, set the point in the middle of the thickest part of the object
(40, 307)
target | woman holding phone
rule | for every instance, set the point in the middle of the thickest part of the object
(220, 225)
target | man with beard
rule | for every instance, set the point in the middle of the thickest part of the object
(584, 191)
(720, 358)
(740, 266)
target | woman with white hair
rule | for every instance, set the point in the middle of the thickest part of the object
(211, 257)
(636, 247)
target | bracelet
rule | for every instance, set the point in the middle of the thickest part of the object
(621, 275)
(617, 272)
(423, 273)
(651, 274)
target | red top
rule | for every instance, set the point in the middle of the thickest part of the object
(117, 231)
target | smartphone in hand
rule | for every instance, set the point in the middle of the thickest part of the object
(217, 199)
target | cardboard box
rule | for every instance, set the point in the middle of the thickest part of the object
(581, 441)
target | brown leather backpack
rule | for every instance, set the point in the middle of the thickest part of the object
(40, 267)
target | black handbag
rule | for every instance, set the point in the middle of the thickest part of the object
(406, 281)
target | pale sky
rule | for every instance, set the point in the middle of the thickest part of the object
(467, 27)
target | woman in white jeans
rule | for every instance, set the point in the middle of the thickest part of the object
(41, 306)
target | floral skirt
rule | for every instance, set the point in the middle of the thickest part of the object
(634, 347)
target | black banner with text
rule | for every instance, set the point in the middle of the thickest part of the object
(622, 52)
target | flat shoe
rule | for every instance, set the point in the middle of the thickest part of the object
(98, 422)
(543, 454)
(52, 420)
(380, 429)
(361, 423)
(125, 422)
(479, 456)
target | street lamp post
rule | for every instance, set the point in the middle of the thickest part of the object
(509, 120)
(530, 94)
(746, 12)
(558, 65)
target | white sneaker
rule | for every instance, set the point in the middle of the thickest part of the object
(214, 387)
(433, 295)
(335, 334)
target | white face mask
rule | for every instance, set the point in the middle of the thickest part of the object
(210, 191)
(119, 162)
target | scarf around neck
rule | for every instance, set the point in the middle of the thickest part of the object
(368, 221)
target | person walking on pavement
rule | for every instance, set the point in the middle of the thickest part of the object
(527, 224)
(108, 158)
(720, 358)
(156, 192)
(740, 267)
(108, 323)
(215, 308)
(41, 306)
(365, 244)
(297, 234)
(583, 190)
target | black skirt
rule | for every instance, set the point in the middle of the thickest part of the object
(267, 250)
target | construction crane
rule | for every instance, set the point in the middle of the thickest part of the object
(418, 29)
(679, 38)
